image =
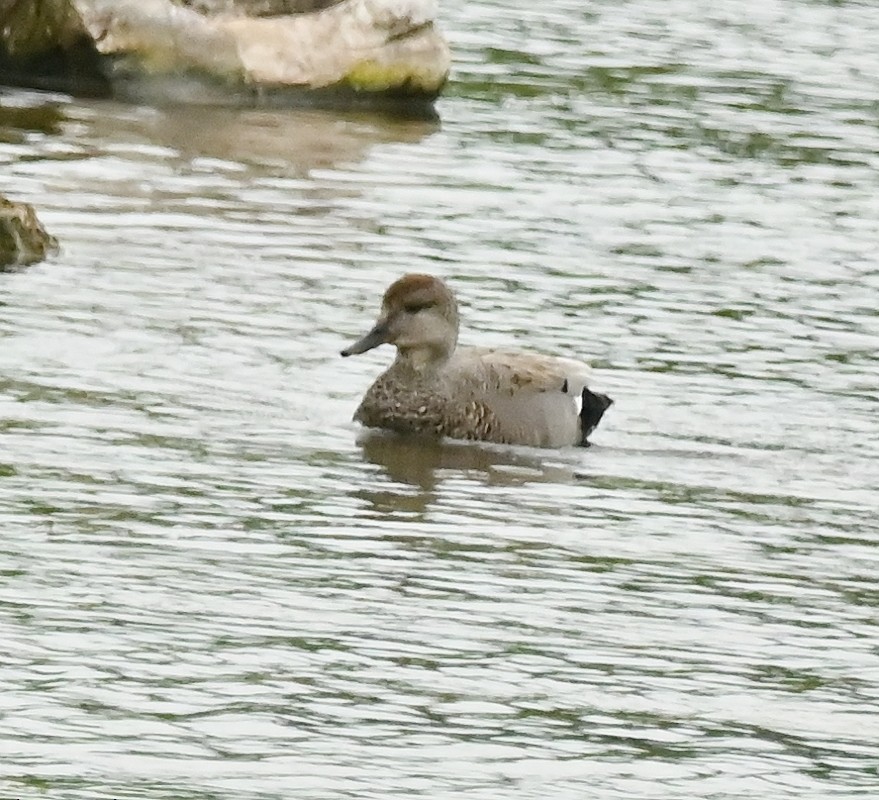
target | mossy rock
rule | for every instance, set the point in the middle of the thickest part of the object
(23, 240)
(44, 44)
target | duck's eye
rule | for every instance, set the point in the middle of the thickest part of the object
(414, 308)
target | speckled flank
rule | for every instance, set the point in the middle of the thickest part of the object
(410, 404)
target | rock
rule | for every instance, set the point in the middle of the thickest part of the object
(44, 44)
(23, 240)
(325, 52)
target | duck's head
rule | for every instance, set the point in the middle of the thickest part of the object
(418, 316)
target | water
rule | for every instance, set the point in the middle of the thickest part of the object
(212, 585)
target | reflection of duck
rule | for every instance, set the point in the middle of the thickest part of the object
(436, 388)
(416, 460)
(424, 462)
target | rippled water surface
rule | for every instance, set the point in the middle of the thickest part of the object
(212, 585)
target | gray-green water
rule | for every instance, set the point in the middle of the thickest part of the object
(211, 588)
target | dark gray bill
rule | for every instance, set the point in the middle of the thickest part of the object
(378, 335)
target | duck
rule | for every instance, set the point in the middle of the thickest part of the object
(438, 389)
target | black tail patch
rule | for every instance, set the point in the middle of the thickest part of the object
(594, 406)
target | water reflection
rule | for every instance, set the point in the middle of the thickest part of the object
(284, 141)
(294, 140)
(422, 462)
(24, 113)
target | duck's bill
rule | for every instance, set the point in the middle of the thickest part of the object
(378, 335)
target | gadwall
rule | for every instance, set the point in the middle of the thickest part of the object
(436, 388)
